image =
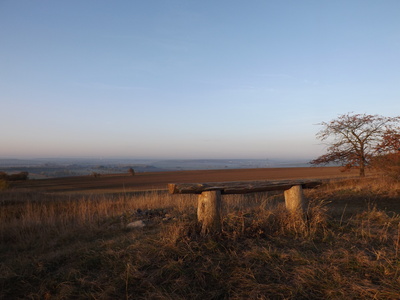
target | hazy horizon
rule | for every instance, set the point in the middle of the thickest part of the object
(41, 168)
(78, 158)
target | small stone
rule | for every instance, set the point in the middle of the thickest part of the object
(136, 224)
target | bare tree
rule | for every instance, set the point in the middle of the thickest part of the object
(353, 139)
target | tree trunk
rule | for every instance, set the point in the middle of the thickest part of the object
(362, 168)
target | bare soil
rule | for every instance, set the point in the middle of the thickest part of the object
(159, 180)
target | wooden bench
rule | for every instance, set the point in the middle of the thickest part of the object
(209, 201)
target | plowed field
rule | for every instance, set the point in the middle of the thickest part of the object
(159, 180)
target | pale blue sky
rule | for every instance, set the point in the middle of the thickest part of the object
(190, 79)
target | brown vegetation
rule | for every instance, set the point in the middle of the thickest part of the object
(55, 246)
(14, 177)
(388, 160)
(388, 164)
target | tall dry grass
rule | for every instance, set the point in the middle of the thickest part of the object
(27, 216)
(347, 246)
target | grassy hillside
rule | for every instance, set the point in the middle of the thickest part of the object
(80, 246)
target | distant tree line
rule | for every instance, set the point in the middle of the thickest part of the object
(14, 177)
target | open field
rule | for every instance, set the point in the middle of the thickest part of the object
(159, 180)
(74, 242)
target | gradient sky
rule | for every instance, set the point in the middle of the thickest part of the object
(190, 79)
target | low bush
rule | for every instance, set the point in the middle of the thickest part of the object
(14, 177)
(388, 164)
(3, 185)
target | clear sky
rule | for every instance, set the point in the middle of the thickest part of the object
(190, 79)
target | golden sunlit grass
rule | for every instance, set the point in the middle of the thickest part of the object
(79, 246)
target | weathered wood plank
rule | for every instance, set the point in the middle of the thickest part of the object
(240, 187)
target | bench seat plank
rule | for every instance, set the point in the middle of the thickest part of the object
(240, 187)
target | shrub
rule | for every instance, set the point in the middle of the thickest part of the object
(14, 177)
(3, 185)
(388, 164)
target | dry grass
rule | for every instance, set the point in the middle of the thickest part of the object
(63, 247)
(35, 216)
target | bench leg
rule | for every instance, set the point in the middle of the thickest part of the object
(294, 199)
(208, 212)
